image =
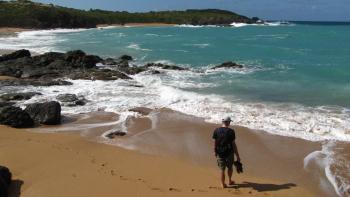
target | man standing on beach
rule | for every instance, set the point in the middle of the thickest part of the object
(225, 148)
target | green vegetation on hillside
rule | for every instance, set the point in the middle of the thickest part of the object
(27, 14)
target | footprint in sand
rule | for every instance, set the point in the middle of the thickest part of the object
(213, 187)
(174, 189)
(123, 178)
(141, 180)
(156, 189)
(103, 164)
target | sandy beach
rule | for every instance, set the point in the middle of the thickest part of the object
(43, 163)
(10, 31)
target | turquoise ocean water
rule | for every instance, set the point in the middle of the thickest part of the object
(307, 64)
(296, 79)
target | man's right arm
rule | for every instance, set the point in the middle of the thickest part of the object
(235, 150)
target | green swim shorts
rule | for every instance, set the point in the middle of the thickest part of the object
(226, 162)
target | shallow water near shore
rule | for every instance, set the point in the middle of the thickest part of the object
(295, 80)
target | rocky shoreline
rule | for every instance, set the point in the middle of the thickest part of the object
(53, 69)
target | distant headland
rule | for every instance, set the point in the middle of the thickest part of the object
(31, 15)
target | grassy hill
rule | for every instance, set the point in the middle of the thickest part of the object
(27, 14)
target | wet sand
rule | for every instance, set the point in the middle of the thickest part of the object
(264, 155)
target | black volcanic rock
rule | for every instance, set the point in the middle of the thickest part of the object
(110, 61)
(4, 104)
(125, 58)
(116, 133)
(15, 117)
(34, 82)
(227, 65)
(79, 59)
(99, 74)
(67, 97)
(15, 55)
(48, 113)
(5, 180)
(71, 99)
(5, 174)
(164, 66)
(18, 96)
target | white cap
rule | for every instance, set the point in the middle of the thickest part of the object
(227, 119)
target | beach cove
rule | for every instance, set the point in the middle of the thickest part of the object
(184, 107)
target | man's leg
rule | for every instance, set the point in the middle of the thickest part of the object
(223, 184)
(229, 173)
(230, 161)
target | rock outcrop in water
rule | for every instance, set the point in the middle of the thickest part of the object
(164, 66)
(18, 96)
(15, 55)
(5, 180)
(49, 68)
(71, 100)
(45, 69)
(228, 65)
(48, 113)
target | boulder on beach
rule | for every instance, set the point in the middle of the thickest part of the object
(15, 117)
(48, 113)
(18, 96)
(5, 174)
(5, 180)
(15, 55)
(116, 133)
(71, 99)
(228, 65)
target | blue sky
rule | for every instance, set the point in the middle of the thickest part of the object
(311, 10)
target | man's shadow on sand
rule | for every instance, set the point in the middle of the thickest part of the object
(15, 188)
(261, 187)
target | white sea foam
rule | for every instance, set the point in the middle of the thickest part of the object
(333, 165)
(271, 24)
(137, 47)
(38, 41)
(167, 90)
(195, 26)
(199, 45)
(159, 35)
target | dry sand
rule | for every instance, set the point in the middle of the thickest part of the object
(66, 164)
